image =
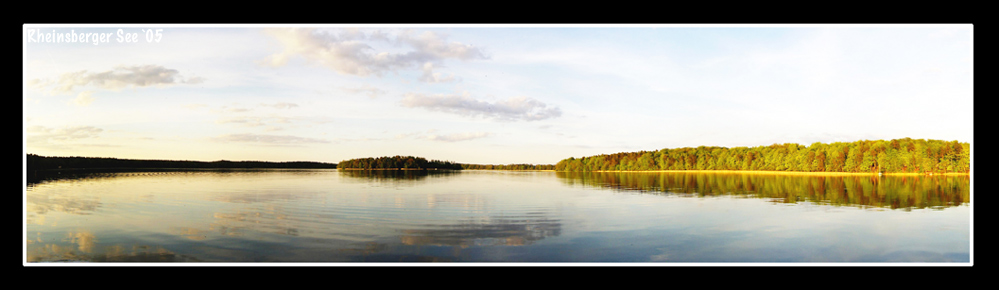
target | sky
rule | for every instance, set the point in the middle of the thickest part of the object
(484, 94)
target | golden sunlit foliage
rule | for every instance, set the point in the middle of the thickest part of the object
(896, 192)
(878, 156)
(509, 166)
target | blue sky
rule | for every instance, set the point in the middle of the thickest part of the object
(494, 94)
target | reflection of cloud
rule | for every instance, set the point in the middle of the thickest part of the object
(41, 204)
(190, 233)
(501, 232)
(117, 253)
(84, 240)
(271, 221)
(516, 108)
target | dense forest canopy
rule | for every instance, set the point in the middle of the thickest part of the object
(35, 162)
(893, 156)
(509, 166)
(397, 162)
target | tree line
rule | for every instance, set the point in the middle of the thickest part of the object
(35, 162)
(509, 166)
(397, 162)
(904, 155)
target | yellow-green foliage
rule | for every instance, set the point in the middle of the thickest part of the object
(893, 156)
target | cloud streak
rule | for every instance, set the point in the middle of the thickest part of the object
(120, 77)
(457, 137)
(433, 136)
(281, 105)
(512, 109)
(371, 92)
(42, 136)
(268, 139)
(351, 51)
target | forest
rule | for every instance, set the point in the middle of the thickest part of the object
(397, 162)
(904, 155)
(509, 166)
(410, 162)
(35, 162)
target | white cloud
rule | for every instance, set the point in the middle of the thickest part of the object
(516, 108)
(349, 52)
(429, 76)
(119, 78)
(432, 46)
(83, 99)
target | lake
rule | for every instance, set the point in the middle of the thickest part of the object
(330, 216)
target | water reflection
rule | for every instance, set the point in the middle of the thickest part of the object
(38, 177)
(414, 216)
(398, 174)
(503, 231)
(895, 192)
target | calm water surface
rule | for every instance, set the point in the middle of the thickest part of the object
(496, 216)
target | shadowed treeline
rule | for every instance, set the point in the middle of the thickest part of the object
(894, 156)
(895, 192)
(35, 162)
(41, 167)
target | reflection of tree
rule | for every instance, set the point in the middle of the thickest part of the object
(397, 174)
(87, 251)
(37, 177)
(472, 233)
(396, 177)
(84, 240)
(896, 192)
